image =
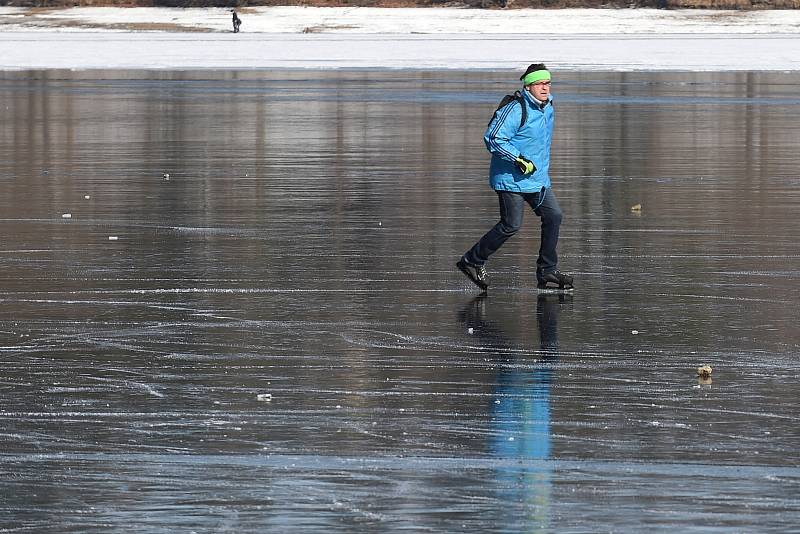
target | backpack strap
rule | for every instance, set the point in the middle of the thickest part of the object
(518, 97)
(524, 116)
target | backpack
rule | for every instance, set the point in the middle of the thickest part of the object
(507, 100)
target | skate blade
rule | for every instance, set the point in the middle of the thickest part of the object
(555, 289)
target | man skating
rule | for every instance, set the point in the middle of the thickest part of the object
(519, 141)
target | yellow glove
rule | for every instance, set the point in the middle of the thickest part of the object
(524, 166)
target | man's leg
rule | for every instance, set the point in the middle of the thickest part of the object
(471, 263)
(547, 262)
(550, 213)
(511, 212)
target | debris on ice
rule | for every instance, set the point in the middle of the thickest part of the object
(704, 371)
(704, 375)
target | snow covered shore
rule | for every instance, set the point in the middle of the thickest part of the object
(304, 37)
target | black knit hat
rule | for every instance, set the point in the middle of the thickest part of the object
(533, 67)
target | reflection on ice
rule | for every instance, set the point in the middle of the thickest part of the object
(521, 409)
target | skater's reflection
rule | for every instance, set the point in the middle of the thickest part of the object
(520, 405)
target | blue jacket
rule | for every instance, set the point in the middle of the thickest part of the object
(506, 140)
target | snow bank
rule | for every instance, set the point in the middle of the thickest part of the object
(297, 19)
(307, 37)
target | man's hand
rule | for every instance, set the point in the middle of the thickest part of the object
(525, 166)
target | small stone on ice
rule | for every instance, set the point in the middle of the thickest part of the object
(704, 371)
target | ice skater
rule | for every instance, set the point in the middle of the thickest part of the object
(519, 137)
(236, 21)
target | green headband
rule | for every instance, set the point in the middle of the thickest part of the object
(536, 76)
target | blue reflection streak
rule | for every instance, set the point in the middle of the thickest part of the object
(521, 414)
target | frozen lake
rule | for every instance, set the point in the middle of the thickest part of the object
(303, 247)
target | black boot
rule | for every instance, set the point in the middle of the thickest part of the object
(476, 273)
(564, 281)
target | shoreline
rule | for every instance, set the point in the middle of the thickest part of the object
(398, 21)
(421, 39)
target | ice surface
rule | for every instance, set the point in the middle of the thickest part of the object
(131, 372)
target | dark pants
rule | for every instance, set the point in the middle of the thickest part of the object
(512, 207)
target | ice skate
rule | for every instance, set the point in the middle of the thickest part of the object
(476, 273)
(562, 281)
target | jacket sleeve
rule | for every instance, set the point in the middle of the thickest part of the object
(503, 127)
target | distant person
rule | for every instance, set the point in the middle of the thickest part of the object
(519, 174)
(236, 21)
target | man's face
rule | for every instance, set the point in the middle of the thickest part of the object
(539, 90)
